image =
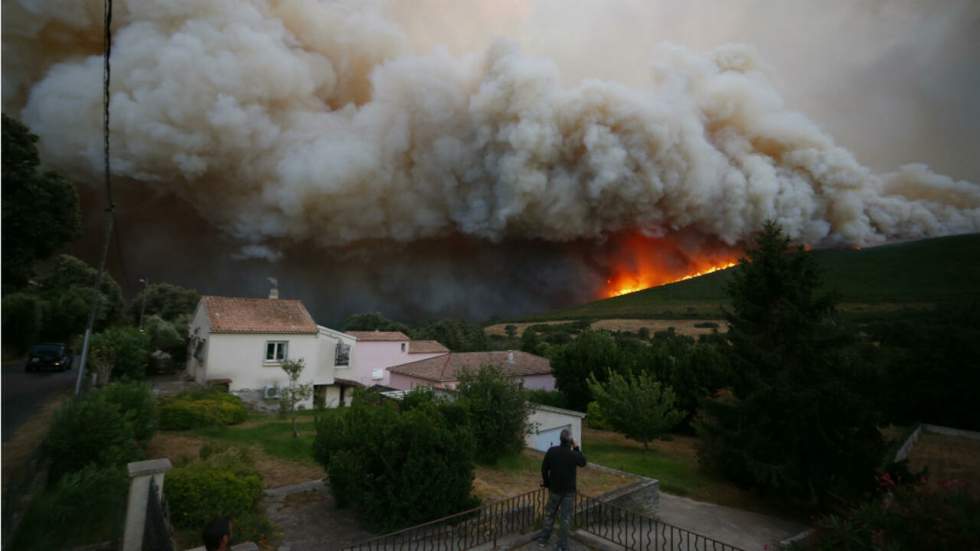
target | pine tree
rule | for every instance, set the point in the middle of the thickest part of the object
(796, 420)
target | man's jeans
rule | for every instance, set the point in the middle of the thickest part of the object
(564, 502)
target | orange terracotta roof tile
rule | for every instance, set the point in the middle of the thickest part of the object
(258, 315)
(446, 368)
(426, 347)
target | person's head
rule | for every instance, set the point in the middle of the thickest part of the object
(217, 535)
(566, 437)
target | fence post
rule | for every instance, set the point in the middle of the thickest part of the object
(140, 474)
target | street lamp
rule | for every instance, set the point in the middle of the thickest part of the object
(146, 283)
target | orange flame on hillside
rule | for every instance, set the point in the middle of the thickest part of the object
(641, 262)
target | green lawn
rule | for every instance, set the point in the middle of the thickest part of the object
(675, 464)
(271, 433)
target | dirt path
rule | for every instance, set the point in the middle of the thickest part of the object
(309, 519)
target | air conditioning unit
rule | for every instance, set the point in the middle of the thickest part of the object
(271, 393)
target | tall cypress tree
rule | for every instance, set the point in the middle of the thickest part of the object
(796, 421)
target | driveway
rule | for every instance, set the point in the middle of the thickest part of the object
(24, 393)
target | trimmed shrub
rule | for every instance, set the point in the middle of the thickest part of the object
(86, 506)
(397, 468)
(90, 430)
(201, 409)
(224, 484)
(497, 411)
(137, 403)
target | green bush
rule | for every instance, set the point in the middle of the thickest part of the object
(128, 348)
(397, 468)
(201, 409)
(944, 516)
(90, 430)
(593, 415)
(87, 506)
(137, 403)
(21, 321)
(224, 484)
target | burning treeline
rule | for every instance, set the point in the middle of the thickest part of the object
(287, 122)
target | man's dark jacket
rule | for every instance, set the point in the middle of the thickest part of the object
(558, 468)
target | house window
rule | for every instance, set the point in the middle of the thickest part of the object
(275, 351)
(343, 354)
(403, 347)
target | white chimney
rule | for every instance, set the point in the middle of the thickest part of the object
(274, 291)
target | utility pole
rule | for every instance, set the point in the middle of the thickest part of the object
(110, 206)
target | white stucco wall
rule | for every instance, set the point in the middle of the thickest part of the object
(544, 418)
(241, 358)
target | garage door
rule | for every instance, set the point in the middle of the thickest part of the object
(546, 438)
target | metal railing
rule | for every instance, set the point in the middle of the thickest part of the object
(467, 529)
(636, 531)
(157, 535)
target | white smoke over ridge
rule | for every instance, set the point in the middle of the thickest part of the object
(303, 121)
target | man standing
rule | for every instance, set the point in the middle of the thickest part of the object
(558, 472)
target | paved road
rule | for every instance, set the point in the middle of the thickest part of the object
(24, 393)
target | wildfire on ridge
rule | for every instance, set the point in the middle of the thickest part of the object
(645, 281)
(640, 262)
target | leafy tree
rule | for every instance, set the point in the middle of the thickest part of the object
(21, 321)
(592, 352)
(67, 286)
(373, 322)
(456, 335)
(799, 420)
(511, 330)
(497, 410)
(639, 406)
(929, 366)
(294, 392)
(395, 467)
(120, 353)
(530, 342)
(164, 300)
(40, 209)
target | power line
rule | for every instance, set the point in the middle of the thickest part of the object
(110, 206)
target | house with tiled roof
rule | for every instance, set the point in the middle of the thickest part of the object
(241, 343)
(375, 351)
(443, 371)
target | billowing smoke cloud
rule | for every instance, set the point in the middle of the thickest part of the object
(295, 122)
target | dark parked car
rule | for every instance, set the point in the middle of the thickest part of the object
(54, 356)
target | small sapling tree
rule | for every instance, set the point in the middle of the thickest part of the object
(639, 406)
(295, 392)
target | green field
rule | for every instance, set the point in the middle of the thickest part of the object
(871, 281)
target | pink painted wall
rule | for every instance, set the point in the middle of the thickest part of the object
(539, 382)
(370, 355)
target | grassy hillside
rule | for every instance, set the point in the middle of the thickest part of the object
(873, 280)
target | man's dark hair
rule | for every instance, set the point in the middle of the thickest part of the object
(565, 437)
(215, 531)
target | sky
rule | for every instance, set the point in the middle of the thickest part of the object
(491, 159)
